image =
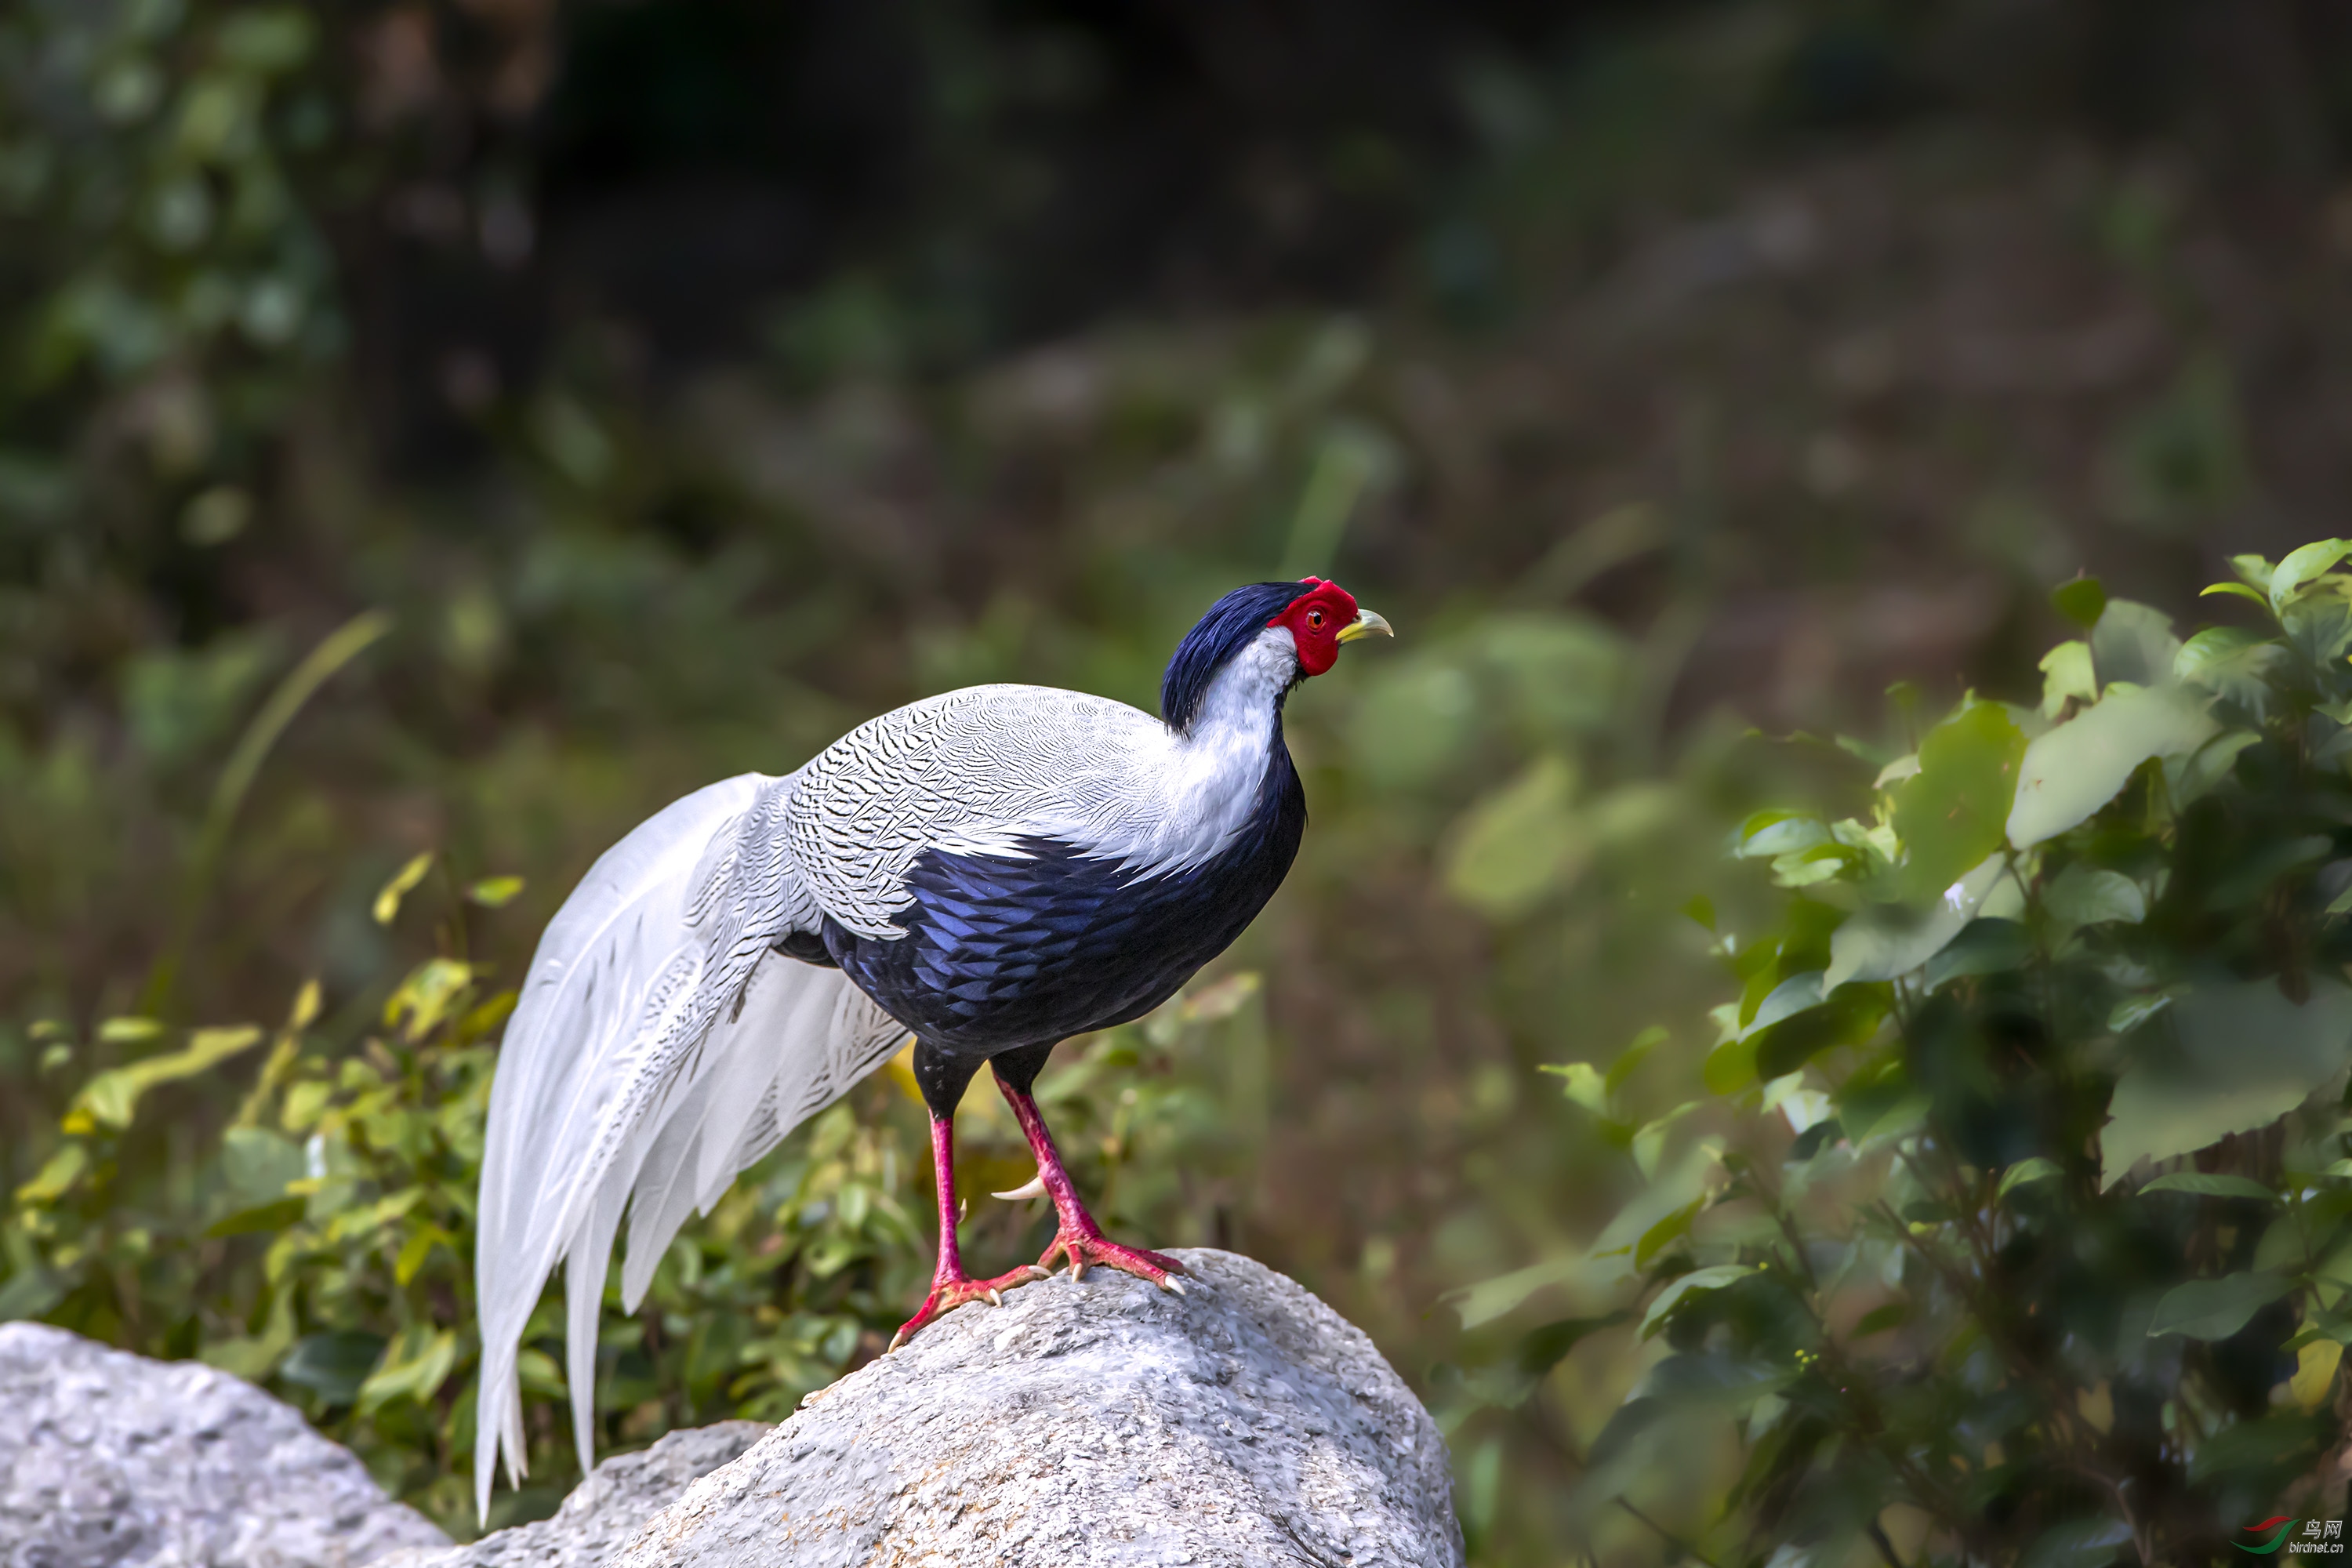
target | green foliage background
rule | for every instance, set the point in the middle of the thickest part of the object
(1707, 369)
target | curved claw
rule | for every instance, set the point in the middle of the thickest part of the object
(947, 1295)
(1084, 1251)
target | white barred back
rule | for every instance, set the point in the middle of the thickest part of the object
(974, 771)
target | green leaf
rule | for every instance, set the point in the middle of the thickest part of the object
(1950, 816)
(2080, 600)
(1649, 1144)
(387, 902)
(1848, 1017)
(2302, 565)
(1782, 834)
(2246, 1057)
(2067, 675)
(1480, 1304)
(2027, 1172)
(1584, 1085)
(413, 1367)
(2211, 1187)
(2234, 663)
(2214, 1309)
(2192, 777)
(1985, 946)
(1792, 996)
(1665, 1233)
(334, 1364)
(2240, 589)
(129, 1031)
(1697, 1283)
(1730, 1066)
(2076, 768)
(1520, 844)
(2134, 643)
(2084, 896)
(1880, 942)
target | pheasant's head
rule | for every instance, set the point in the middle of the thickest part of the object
(1288, 631)
(1323, 617)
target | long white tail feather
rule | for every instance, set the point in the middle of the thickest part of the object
(631, 1079)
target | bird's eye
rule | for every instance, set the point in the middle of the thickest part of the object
(1315, 620)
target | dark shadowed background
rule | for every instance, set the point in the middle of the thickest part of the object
(686, 380)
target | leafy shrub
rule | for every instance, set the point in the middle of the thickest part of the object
(2014, 1222)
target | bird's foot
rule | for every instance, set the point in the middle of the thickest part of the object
(947, 1295)
(1085, 1249)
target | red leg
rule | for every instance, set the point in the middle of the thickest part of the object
(951, 1285)
(1078, 1237)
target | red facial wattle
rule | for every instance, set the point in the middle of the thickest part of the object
(1315, 620)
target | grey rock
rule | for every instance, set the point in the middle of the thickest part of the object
(603, 1511)
(111, 1460)
(1093, 1422)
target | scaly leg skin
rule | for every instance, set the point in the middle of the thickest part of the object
(1078, 1237)
(951, 1285)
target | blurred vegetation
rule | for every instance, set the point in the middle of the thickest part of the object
(2012, 1222)
(434, 434)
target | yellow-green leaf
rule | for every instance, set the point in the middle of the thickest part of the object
(416, 1250)
(111, 1099)
(56, 1176)
(1583, 1084)
(1950, 816)
(2302, 565)
(387, 902)
(2315, 1373)
(431, 991)
(494, 892)
(2066, 673)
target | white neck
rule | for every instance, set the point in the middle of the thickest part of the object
(1212, 772)
(1152, 799)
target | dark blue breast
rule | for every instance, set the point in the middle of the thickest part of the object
(1001, 952)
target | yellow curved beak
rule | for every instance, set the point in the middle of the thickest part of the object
(1366, 623)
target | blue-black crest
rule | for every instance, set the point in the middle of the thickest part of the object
(1231, 624)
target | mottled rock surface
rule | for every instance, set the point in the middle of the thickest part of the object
(111, 1460)
(603, 1511)
(1093, 1422)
